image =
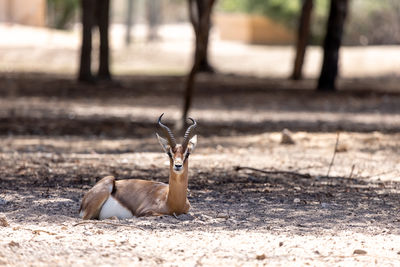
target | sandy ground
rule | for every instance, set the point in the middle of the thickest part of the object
(60, 137)
(238, 217)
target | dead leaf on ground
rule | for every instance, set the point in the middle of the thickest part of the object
(359, 252)
(261, 257)
(3, 261)
(4, 222)
(13, 244)
(342, 148)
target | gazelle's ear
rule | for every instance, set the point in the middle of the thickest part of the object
(164, 143)
(192, 144)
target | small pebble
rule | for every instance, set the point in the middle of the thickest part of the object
(286, 137)
(222, 216)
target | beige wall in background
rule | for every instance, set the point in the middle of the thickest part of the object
(253, 29)
(28, 12)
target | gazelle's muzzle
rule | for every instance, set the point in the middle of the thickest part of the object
(178, 164)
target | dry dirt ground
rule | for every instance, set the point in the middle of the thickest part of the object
(58, 138)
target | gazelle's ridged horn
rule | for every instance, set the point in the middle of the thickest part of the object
(168, 133)
(188, 134)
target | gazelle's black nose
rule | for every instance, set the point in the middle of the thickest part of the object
(178, 166)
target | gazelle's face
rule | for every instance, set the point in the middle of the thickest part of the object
(177, 158)
(177, 155)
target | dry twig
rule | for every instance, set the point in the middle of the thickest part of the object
(334, 154)
(36, 231)
(306, 175)
(351, 172)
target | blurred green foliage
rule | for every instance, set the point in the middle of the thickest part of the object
(281, 10)
(369, 21)
(61, 13)
(284, 11)
(373, 23)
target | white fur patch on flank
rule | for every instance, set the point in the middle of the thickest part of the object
(113, 208)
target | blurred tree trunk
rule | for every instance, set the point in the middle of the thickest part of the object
(103, 22)
(333, 39)
(129, 22)
(198, 11)
(303, 35)
(153, 18)
(201, 31)
(94, 12)
(85, 73)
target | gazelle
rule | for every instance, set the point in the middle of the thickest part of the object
(134, 197)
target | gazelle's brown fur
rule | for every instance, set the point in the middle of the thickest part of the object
(134, 197)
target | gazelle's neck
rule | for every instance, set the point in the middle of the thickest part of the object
(178, 184)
